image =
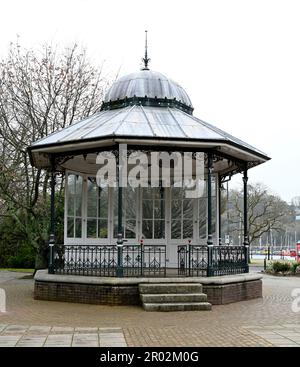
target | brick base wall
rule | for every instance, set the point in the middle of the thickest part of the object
(87, 293)
(234, 292)
(129, 294)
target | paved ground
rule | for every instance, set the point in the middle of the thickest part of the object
(47, 336)
(263, 322)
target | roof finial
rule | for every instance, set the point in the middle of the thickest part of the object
(146, 59)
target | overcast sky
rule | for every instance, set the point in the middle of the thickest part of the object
(238, 60)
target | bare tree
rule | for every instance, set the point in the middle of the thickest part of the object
(296, 202)
(265, 211)
(40, 92)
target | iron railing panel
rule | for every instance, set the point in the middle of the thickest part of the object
(149, 260)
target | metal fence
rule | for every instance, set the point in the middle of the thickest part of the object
(148, 260)
(203, 260)
(110, 260)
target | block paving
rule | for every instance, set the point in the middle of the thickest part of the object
(265, 322)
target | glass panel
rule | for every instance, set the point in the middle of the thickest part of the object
(213, 186)
(71, 184)
(202, 218)
(157, 193)
(147, 209)
(129, 202)
(91, 228)
(70, 204)
(78, 194)
(147, 192)
(78, 227)
(103, 202)
(70, 227)
(188, 229)
(177, 192)
(159, 209)
(102, 228)
(159, 229)
(176, 208)
(147, 228)
(115, 227)
(187, 208)
(130, 230)
(91, 200)
(176, 229)
(78, 212)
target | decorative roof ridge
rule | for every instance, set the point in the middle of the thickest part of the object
(147, 102)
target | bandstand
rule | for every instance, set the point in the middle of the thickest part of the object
(144, 230)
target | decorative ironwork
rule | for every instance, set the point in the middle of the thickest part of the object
(102, 260)
(153, 260)
(228, 260)
(146, 59)
(147, 102)
(182, 255)
(203, 260)
(149, 260)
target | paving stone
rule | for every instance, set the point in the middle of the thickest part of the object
(15, 329)
(278, 341)
(109, 329)
(292, 326)
(287, 345)
(2, 327)
(39, 329)
(32, 341)
(62, 329)
(85, 340)
(9, 340)
(86, 329)
(59, 340)
(111, 344)
(111, 335)
(295, 339)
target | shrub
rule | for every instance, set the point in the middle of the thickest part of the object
(25, 261)
(280, 267)
(295, 267)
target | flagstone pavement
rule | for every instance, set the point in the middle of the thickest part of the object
(270, 321)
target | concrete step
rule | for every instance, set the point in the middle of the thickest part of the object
(173, 288)
(174, 298)
(167, 307)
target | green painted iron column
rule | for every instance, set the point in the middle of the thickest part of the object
(209, 215)
(209, 206)
(219, 208)
(246, 229)
(119, 272)
(52, 218)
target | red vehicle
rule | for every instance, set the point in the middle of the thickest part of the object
(293, 253)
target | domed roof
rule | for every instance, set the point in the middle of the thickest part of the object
(149, 85)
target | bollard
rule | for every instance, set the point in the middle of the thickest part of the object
(120, 255)
(51, 255)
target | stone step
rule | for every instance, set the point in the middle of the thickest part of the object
(167, 307)
(173, 298)
(173, 288)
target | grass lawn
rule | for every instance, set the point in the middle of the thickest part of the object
(18, 270)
